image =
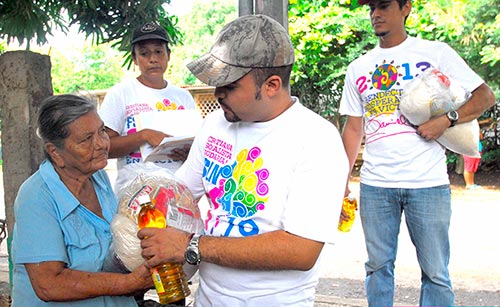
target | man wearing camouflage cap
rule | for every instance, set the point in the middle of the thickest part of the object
(273, 171)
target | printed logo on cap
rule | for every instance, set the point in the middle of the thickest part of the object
(149, 27)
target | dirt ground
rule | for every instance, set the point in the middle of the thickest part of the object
(476, 283)
(489, 179)
(479, 288)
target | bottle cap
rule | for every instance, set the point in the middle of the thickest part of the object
(351, 197)
(144, 198)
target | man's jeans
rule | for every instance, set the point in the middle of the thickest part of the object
(427, 214)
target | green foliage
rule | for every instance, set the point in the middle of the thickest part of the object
(199, 28)
(26, 20)
(92, 68)
(451, 157)
(441, 20)
(480, 45)
(452, 160)
(327, 35)
(491, 160)
(103, 20)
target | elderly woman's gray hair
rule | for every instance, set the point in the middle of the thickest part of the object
(57, 113)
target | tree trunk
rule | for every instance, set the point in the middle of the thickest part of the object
(276, 9)
(25, 81)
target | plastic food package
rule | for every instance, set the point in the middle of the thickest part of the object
(462, 139)
(433, 94)
(167, 194)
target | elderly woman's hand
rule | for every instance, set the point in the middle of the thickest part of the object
(141, 277)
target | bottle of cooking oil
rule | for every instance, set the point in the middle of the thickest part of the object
(169, 278)
(349, 206)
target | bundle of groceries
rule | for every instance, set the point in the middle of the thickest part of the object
(167, 194)
(433, 94)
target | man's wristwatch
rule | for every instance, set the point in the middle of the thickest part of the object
(192, 254)
(452, 117)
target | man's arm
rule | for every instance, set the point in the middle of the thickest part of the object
(276, 250)
(122, 145)
(482, 99)
(352, 136)
(53, 281)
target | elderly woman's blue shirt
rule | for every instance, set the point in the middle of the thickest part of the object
(52, 225)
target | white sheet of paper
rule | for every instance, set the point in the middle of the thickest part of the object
(175, 123)
(181, 124)
(162, 151)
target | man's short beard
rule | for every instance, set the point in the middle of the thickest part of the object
(231, 119)
(381, 34)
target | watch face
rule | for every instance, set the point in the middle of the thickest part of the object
(453, 115)
(192, 257)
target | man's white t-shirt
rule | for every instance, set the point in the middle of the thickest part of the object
(289, 173)
(394, 155)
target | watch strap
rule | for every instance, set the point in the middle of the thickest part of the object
(195, 240)
(193, 250)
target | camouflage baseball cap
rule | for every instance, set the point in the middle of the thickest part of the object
(252, 41)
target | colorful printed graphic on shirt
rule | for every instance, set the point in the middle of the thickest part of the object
(381, 91)
(131, 127)
(240, 189)
(384, 77)
(167, 105)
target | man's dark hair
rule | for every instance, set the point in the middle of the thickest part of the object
(377, 2)
(260, 75)
(402, 3)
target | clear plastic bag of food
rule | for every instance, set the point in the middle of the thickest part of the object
(167, 194)
(433, 94)
(429, 95)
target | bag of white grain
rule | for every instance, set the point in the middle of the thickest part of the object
(167, 194)
(433, 94)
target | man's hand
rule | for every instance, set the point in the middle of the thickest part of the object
(180, 153)
(162, 245)
(434, 127)
(152, 137)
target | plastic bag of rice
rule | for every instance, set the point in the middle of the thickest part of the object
(433, 94)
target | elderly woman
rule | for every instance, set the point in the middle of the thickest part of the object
(63, 214)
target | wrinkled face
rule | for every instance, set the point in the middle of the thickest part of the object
(86, 149)
(241, 100)
(152, 58)
(386, 16)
